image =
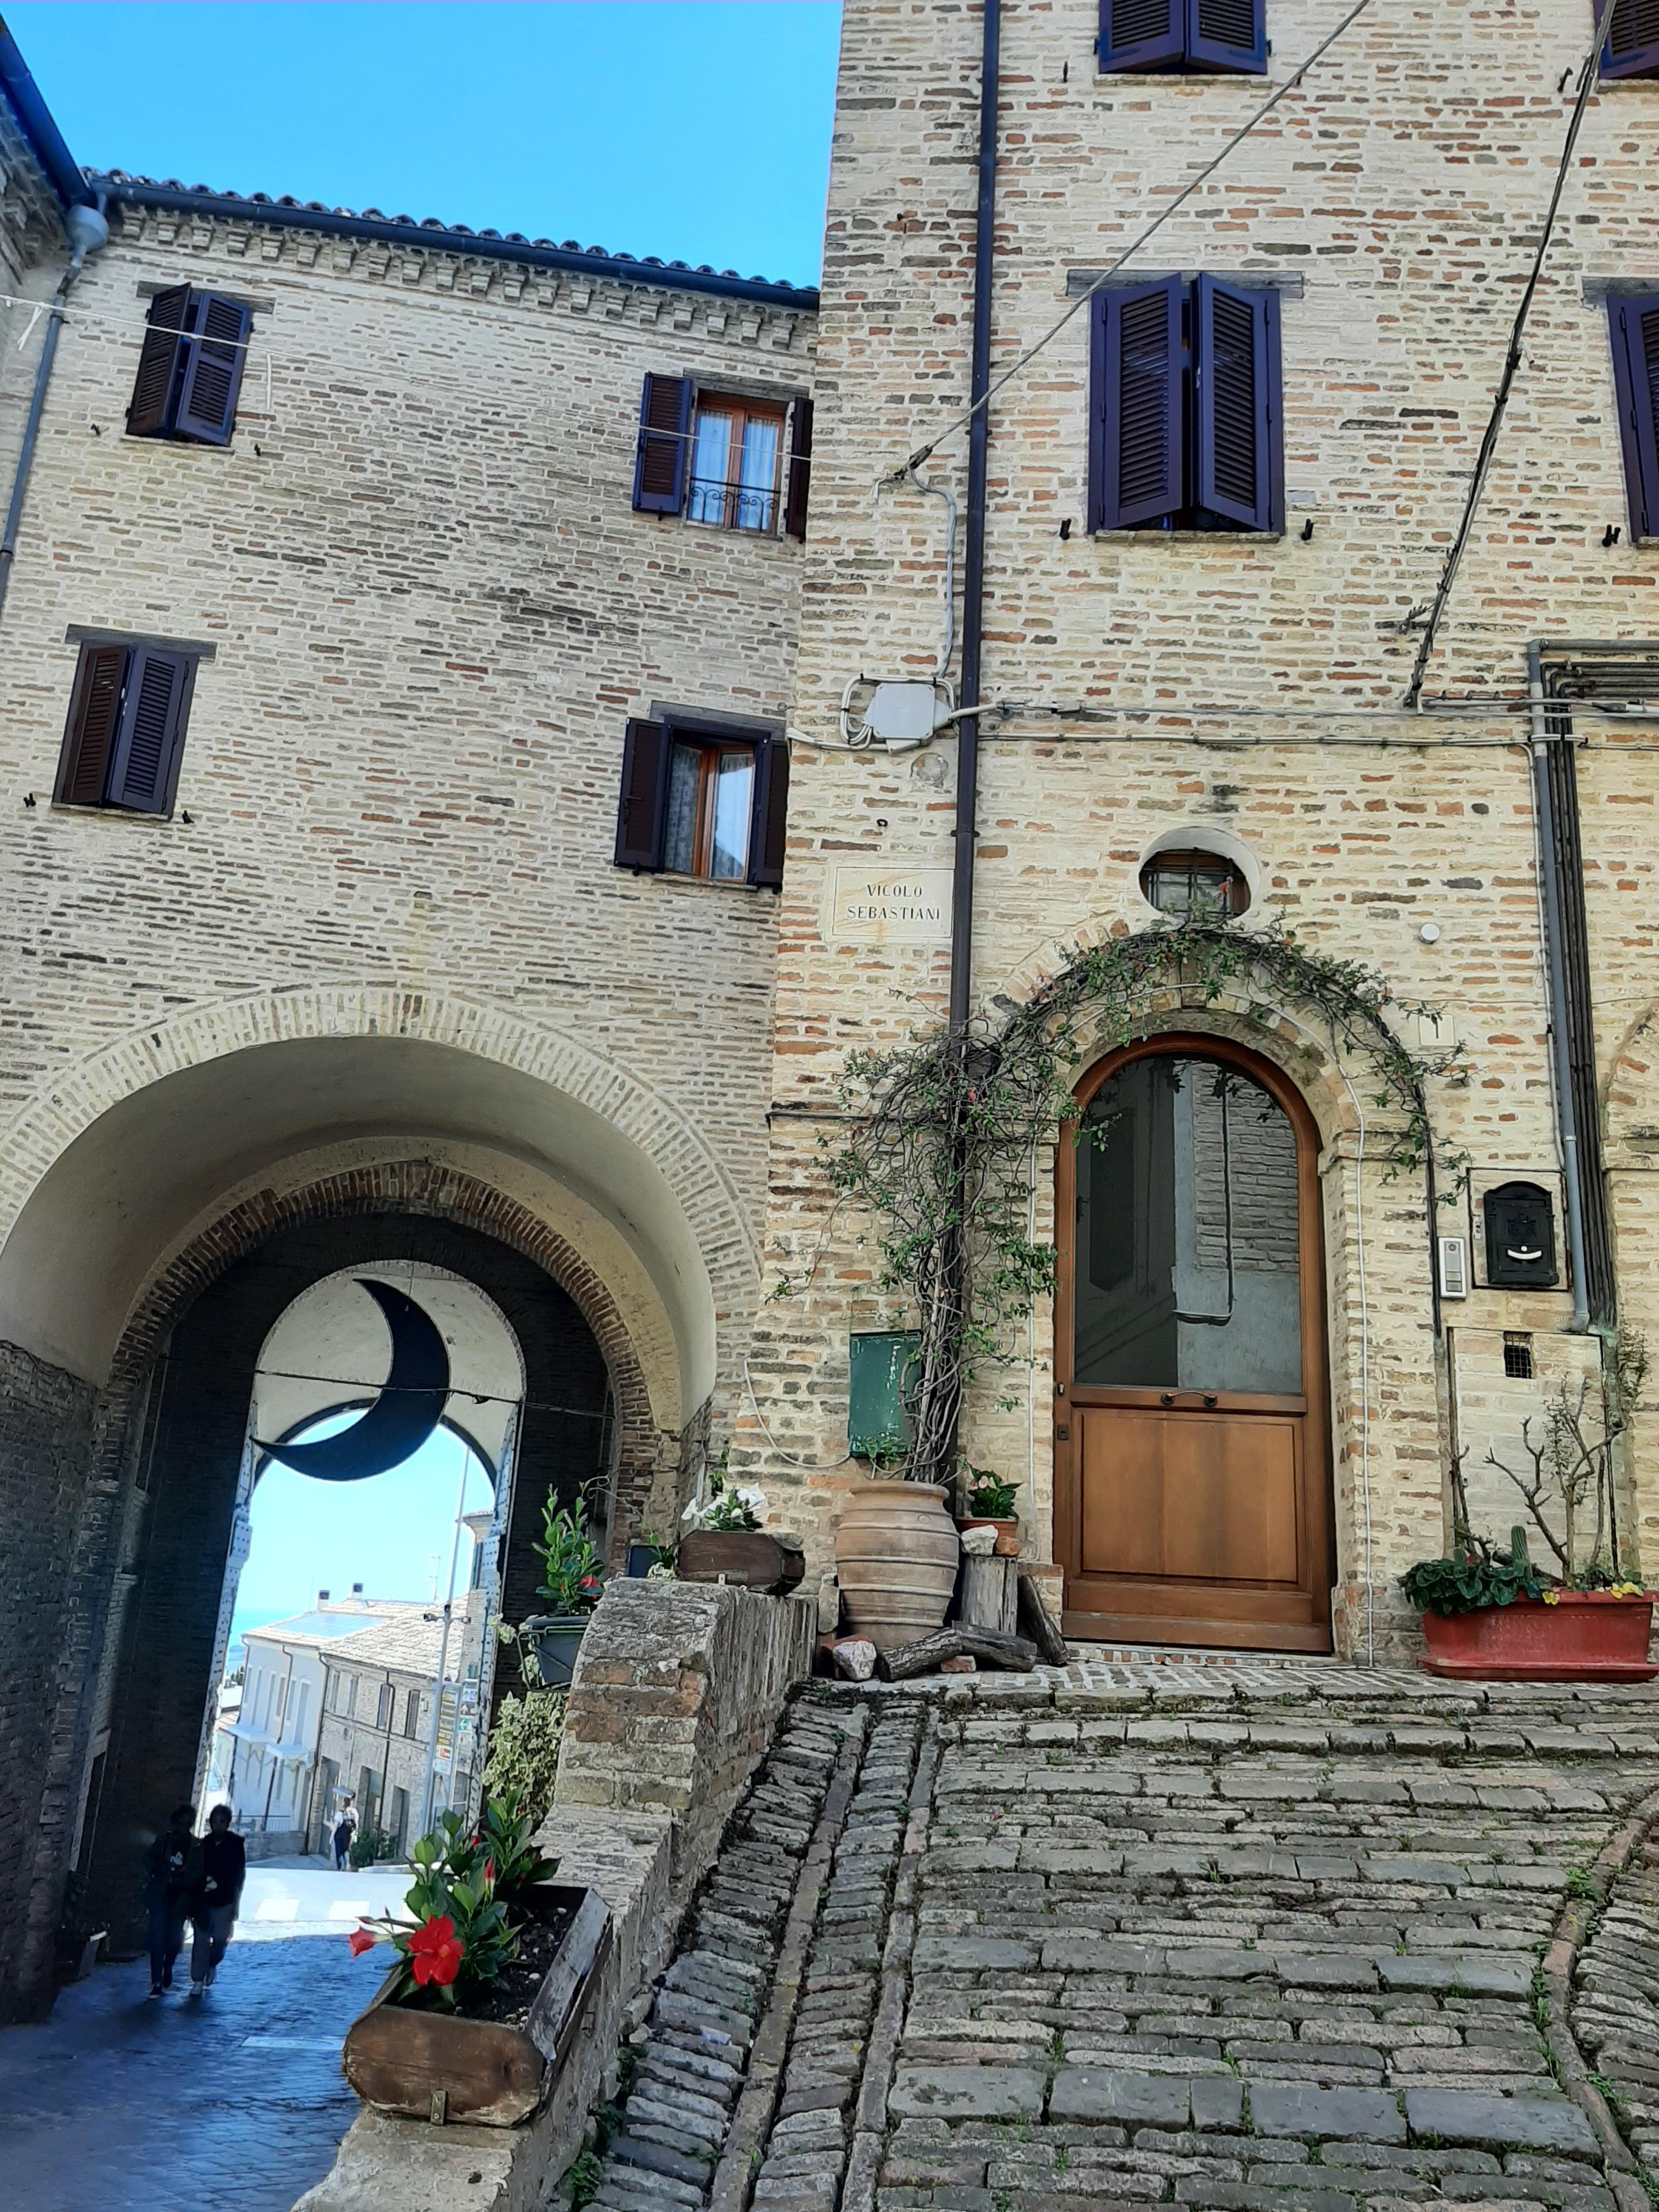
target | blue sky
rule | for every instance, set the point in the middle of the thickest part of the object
(391, 1533)
(697, 129)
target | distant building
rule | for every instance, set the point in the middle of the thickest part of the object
(263, 1759)
(376, 1720)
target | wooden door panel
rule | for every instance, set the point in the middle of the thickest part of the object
(1191, 1496)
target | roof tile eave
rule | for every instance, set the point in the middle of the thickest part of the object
(121, 187)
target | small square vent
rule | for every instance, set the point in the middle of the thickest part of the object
(1454, 1268)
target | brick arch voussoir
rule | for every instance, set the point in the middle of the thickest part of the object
(411, 1187)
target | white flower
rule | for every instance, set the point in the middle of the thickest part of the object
(753, 1498)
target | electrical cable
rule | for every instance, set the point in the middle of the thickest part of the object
(1511, 362)
(815, 1466)
(924, 453)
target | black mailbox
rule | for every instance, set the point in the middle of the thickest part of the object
(1520, 1237)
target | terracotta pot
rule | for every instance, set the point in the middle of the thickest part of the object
(1007, 1543)
(896, 1551)
(1586, 1636)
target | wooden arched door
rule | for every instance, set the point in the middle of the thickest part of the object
(1192, 1477)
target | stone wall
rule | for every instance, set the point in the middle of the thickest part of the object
(46, 1452)
(677, 1688)
(1172, 687)
(677, 1692)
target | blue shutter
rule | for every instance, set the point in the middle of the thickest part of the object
(1636, 382)
(206, 412)
(660, 462)
(1239, 442)
(95, 709)
(145, 767)
(1142, 34)
(149, 411)
(1633, 46)
(768, 826)
(642, 810)
(1136, 461)
(1228, 34)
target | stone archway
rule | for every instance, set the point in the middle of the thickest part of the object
(192, 1355)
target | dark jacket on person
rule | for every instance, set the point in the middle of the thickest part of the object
(167, 1866)
(218, 1868)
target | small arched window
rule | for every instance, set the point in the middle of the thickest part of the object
(1195, 886)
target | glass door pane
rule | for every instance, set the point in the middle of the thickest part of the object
(1187, 1274)
(734, 785)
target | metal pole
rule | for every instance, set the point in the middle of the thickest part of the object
(973, 578)
(443, 1660)
(1556, 989)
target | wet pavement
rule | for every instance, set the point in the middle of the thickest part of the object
(233, 2104)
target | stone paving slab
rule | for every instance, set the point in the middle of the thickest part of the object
(1254, 1936)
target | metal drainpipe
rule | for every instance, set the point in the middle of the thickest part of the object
(973, 581)
(1555, 980)
(89, 231)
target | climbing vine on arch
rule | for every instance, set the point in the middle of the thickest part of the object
(940, 1134)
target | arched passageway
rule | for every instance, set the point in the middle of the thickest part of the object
(147, 1735)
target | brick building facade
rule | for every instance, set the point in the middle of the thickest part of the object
(441, 596)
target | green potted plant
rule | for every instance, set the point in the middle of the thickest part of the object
(988, 1502)
(493, 1960)
(1495, 1615)
(572, 1584)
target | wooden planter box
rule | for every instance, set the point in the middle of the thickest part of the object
(439, 2065)
(746, 1557)
(1586, 1636)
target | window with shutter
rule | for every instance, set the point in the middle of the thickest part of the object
(1185, 430)
(1201, 36)
(190, 368)
(702, 802)
(1632, 45)
(659, 465)
(1635, 329)
(126, 728)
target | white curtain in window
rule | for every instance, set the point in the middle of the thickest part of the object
(757, 500)
(734, 781)
(709, 449)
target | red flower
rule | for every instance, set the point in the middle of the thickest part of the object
(435, 1952)
(490, 1869)
(362, 1940)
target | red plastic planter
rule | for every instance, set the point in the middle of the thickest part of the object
(1586, 1636)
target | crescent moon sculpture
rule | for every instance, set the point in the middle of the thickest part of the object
(403, 1417)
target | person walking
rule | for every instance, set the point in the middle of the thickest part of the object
(218, 1867)
(344, 1829)
(166, 1894)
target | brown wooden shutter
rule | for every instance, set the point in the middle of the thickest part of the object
(642, 813)
(660, 463)
(90, 735)
(800, 470)
(768, 830)
(1239, 440)
(1633, 46)
(1137, 35)
(206, 412)
(1228, 34)
(144, 769)
(1137, 471)
(165, 338)
(1636, 383)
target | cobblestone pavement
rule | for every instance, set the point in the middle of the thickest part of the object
(233, 2105)
(1235, 1938)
